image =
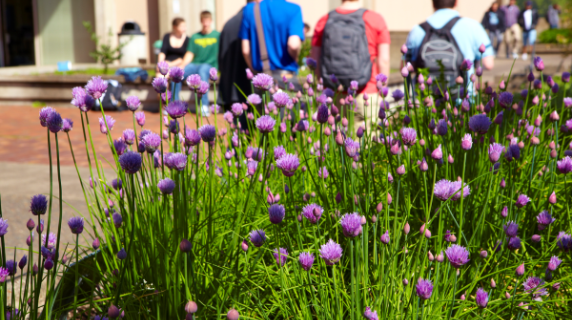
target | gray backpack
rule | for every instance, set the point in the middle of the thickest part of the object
(345, 52)
(440, 54)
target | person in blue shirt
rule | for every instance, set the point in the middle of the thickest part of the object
(469, 35)
(283, 33)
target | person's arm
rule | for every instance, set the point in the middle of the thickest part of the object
(294, 46)
(383, 58)
(488, 62)
(247, 54)
(187, 58)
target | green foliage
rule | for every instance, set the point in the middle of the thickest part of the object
(304, 51)
(104, 53)
(561, 36)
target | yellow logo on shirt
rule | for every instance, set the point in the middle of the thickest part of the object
(204, 42)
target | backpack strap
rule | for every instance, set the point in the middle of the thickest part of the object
(449, 26)
(261, 39)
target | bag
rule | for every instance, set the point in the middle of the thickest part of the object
(277, 75)
(440, 54)
(111, 99)
(345, 52)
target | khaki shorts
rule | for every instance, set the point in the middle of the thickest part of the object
(512, 37)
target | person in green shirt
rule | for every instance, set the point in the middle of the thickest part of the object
(203, 47)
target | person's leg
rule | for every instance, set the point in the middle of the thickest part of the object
(507, 41)
(517, 38)
(175, 90)
(203, 71)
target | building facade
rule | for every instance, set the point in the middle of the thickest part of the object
(44, 32)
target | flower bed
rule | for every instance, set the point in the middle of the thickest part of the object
(442, 208)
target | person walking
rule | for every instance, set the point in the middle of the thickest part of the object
(463, 38)
(528, 19)
(282, 29)
(362, 62)
(512, 34)
(174, 49)
(494, 23)
(553, 16)
(203, 47)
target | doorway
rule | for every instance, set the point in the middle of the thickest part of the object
(16, 33)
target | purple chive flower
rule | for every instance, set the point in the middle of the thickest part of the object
(44, 114)
(39, 204)
(140, 117)
(397, 95)
(76, 225)
(351, 147)
(455, 190)
(3, 227)
(442, 190)
(532, 284)
(194, 82)
(192, 137)
(466, 65)
(505, 99)
(265, 124)
(323, 173)
(306, 260)
(82, 100)
(302, 125)
(207, 132)
(175, 161)
(257, 237)
(67, 125)
(467, 142)
(213, 74)
(176, 109)
(121, 255)
(495, 151)
(351, 224)
(96, 87)
(457, 255)
(281, 255)
(479, 123)
(130, 162)
(132, 103)
(166, 186)
(511, 229)
(311, 63)
(514, 243)
(564, 241)
(442, 127)
(276, 213)
(409, 136)
(522, 201)
(322, 114)
(482, 298)
(12, 267)
(4, 273)
(51, 240)
(54, 122)
(544, 219)
(554, 263)
(110, 122)
(262, 81)
(203, 88)
(237, 109)
(23, 262)
(120, 146)
(331, 252)
(177, 74)
(370, 315)
(424, 289)
(151, 141)
(313, 212)
(117, 219)
(538, 63)
(288, 163)
(174, 126)
(279, 151)
(160, 85)
(281, 99)
(163, 67)
(116, 184)
(512, 152)
(385, 237)
(564, 166)
(254, 99)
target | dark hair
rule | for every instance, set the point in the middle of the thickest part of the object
(307, 26)
(442, 4)
(177, 21)
(206, 14)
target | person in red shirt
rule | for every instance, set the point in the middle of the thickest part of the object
(378, 45)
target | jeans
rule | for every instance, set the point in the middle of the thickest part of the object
(202, 69)
(498, 35)
(529, 37)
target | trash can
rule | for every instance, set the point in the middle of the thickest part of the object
(134, 50)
